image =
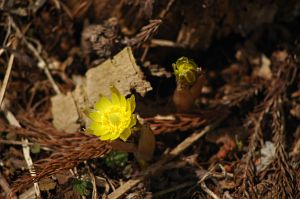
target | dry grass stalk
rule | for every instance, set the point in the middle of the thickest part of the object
(150, 29)
(146, 32)
(241, 94)
(284, 176)
(254, 140)
(184, 121)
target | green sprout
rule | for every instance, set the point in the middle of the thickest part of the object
(35, 148)
(116, 159)
(186, 71)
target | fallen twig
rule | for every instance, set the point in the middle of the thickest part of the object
(165, 11)
(93, 179)
(5, 186)
(26, 149)
(174, 188)
(27, 157)
(6, 77)
(208, 191)
(210, 173)
(14, 142)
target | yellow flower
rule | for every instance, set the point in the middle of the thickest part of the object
(186, 71)
(112, 119)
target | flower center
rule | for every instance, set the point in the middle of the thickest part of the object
(114, 119)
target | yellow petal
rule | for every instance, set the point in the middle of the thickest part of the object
(128, 106)
(95, 116)
(132, 121)
(131, 101)
(113, 89)
(115, 95)
(174, 67)
(98, 129)
(103, 104)
(122, 101)
(108, 136)
(125, 134)
(115, 99)
(115, 135)
(105, 137)
(190, 77)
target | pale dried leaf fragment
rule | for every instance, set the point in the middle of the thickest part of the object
(121, 72)
(264, 67)
(64, 112)
(267, 155)
(265, 70)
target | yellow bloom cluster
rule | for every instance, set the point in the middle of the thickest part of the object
(112, 119)
(186, 71)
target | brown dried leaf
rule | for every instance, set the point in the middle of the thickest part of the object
(47, 184)
(121, 72)
(146, 145)
(64, 113)
(63, 177)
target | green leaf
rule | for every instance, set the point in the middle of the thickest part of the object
(116, 159)
(82, 187)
